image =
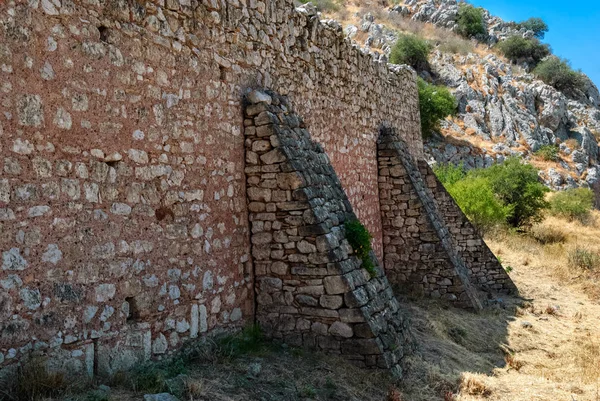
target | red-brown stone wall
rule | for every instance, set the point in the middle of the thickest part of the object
(122, 197)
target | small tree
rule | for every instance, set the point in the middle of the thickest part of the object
(411, 50)
(470, 21)
(518, 50)
(435, 103)
(518, 187)
(558, 73)
(537, 25)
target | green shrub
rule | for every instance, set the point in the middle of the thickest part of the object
(574, 204)
(518, 50)
(518, 187)
(537, 25)
(583, 258)
(448, 173)
(360, 241)
(435, 103)
(558, 73)
(548, 152)
(475, 198)
(470, 21)
(411, 50)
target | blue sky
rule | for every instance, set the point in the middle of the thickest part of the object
(574, 27)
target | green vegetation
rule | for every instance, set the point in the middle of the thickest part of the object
(573, 204)
(449, 174)
(508, 193)
(584, 258)
(537, 25)
(517, 186)
(479, 203)
(360, 241)
(520, 50)
(435, 103)
(548, 152)
(411, 50)
(558, 73)
(470, 21)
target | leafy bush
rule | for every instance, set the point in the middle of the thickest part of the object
(548, 152)
(449, 174)
(537, 25)
(411, 50)
(360, 241)
(583, 258)
(558, 73)
(477, 201)
(518, 187)
(574, 204)
(518, 50)
(470, 21)
(435, 103)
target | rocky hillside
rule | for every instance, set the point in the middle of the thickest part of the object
(503, 109)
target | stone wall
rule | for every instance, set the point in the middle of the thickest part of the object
(484, 269)
(430, 247)
(311, 290)
(122, 191)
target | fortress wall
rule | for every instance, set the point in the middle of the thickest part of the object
(122, 193)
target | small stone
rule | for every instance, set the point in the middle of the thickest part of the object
(29, 108)
(47, 72)
(335, 285)
(31, 298)
(340, 329)
(12, 260)
(62, 119)
(526, 325)
(122, 209)
(49, 8)
(113, 157)
(105, 292)
(259, 97)
(160, 344)
(37, 211)
(52, 254)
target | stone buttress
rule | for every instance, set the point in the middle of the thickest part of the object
(430, 248)
(311, 291)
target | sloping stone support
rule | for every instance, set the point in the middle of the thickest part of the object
(310, 289)
(430, 248)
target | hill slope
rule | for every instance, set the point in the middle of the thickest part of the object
(502, 109)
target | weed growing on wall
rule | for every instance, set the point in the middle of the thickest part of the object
(360, 241)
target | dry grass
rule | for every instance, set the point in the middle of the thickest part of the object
(474, 385)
